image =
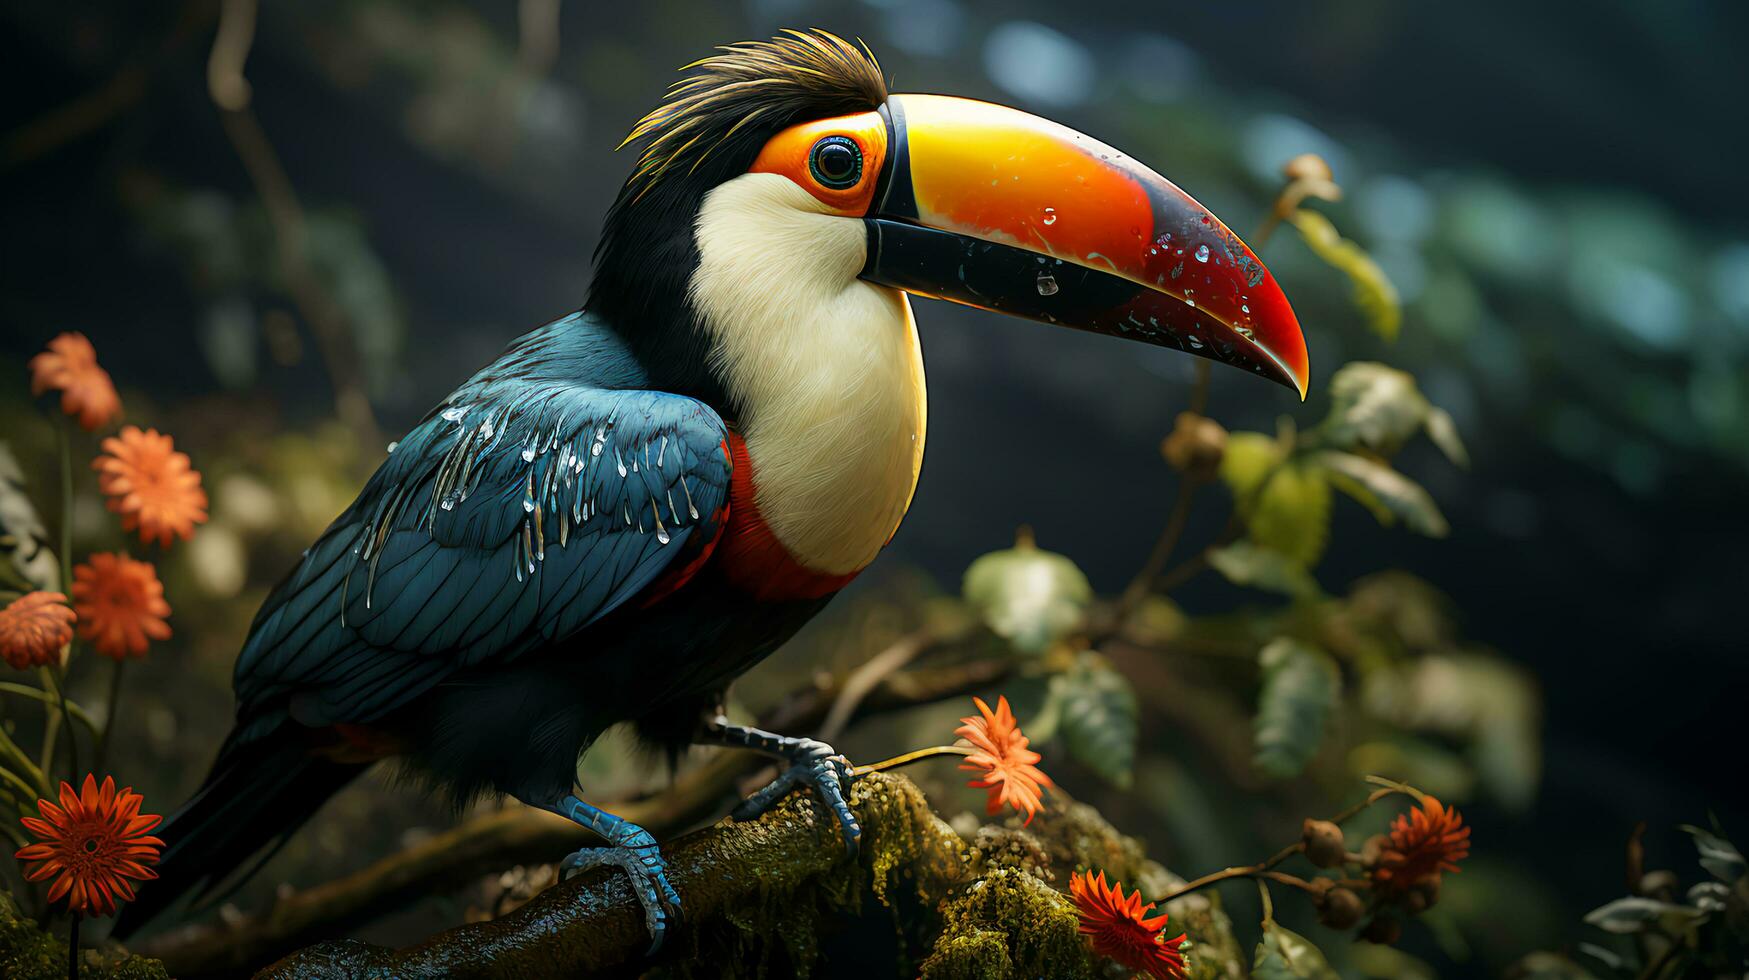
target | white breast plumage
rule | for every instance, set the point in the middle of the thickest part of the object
(826, 369)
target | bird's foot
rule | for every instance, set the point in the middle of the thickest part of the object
(818, 766)
(633, 851)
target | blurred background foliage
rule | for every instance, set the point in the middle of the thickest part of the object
(1545, 213)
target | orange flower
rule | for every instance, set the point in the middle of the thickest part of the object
(1422, 843)
(69, 366)
(1121, 929)
(1010, 769)
(96, 841)
(151, 485)
(34, 628)
(121, 605)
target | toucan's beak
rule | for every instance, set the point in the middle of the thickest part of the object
(998, 209)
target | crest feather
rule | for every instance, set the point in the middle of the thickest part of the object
(794, 76)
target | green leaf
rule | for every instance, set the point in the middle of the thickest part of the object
(1373, 291)
(1374, 407)
(1028, 596)
(1400, 495)
(1247, 564)
(1292, 514)
(1362, 496)
(1493, 705)
(1718, 855)
(28, 562)
(1098, 716)
(1301, 685)
(1248, 459)
(1626, 916)
(1286, 955)
(1443, 431)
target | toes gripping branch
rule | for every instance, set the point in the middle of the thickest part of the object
(813, 764)
(633, 851)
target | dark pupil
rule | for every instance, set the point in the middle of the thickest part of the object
(836, 161)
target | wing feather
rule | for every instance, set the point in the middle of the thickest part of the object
(515, 516)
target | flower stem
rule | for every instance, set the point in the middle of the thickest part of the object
(910, 757)
(73, 949)
(109, 715)
(64, 443)
(53, 715)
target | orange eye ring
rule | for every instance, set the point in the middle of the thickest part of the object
(854, 147)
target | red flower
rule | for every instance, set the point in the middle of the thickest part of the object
(151, 485)
(69, 366)
(95, 840)
(1010, 769)
(34, 628)
(120, 604)
(1422, 843)
(1121, 929)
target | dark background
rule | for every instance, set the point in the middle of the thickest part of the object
(1556, 188)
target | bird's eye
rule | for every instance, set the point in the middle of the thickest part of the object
(836, 162)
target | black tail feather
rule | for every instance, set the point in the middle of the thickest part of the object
(255, 797)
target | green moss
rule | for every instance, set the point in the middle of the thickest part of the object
(28, 953)
(1008, 923)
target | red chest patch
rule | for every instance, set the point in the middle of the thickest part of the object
(745, 552)
(749, 554)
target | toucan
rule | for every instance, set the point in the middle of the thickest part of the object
(635, 504)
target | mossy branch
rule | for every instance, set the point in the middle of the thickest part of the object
(760, 895)
(593, 923)
(496, 840)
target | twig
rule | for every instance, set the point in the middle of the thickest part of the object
(326, 317)
(869, 676)
(95, 109)
(225, 83)
(1259, 870)
(1145, 579)
(1143, 583)
(1388, 787)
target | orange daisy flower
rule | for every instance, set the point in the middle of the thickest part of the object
(95, 840)
(69, 366)
(1422, 843)
(1121, 929)
(34, 628)
(151, 485)
(120, 604)
(1010, 769)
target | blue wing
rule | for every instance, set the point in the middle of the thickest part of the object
(521, 512)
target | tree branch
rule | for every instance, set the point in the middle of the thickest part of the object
(593, 922)
(520, 834)
(760, 898)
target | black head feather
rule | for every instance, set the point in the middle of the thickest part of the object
(708, 130)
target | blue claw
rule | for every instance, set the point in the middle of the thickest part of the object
(633, 851)
(817, 766)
